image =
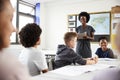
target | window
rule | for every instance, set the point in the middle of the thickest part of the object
(24, 13)
(13, 36)
(26, 9)
(23, 20)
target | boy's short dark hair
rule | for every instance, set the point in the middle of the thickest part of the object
(84, 14)
(69, 35)
(103, 38)
(30, 34)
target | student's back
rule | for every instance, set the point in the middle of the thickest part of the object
(31, 55)
(34, 59)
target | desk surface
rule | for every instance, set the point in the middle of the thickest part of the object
(57, 75)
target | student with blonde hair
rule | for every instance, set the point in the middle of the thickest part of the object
(66, 55)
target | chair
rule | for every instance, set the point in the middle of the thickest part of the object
(51, 64)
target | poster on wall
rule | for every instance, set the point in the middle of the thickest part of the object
(71, 18)
(100, 21)
(71, 24)
(71, 29)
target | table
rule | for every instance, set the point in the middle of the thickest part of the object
(77, 75)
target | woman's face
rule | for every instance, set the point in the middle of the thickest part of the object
(6, 26)
(83, 19)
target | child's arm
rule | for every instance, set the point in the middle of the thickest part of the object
(93, 60)
(90, 62)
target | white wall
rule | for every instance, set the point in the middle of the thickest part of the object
(54, 19)
(55, 16)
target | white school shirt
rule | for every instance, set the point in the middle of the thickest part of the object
(11, 68)
(34, 59)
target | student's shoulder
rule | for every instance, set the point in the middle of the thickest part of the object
(72, 52)
(40, 52)
(98, 51)
(109, 49)
(70, 49)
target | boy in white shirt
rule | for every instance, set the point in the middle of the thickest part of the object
(30, 55)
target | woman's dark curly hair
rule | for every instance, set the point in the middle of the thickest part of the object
(84, 14)
(30, 34)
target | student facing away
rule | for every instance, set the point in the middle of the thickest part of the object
(66, 55)
(104, 51)
(30, 55)
(10, 67)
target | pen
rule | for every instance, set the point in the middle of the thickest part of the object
(87, 71)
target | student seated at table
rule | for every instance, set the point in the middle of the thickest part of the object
(30, 55)
(66, 55)
(104, 51)
(114, 72)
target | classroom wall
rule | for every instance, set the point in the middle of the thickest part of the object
(54, 24)
(54, 17)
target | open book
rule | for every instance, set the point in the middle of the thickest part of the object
(78, 70)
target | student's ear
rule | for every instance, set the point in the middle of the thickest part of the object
(39, 41)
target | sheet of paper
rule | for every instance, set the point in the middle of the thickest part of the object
(78, 70)
(106, 59)
(81, 35)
